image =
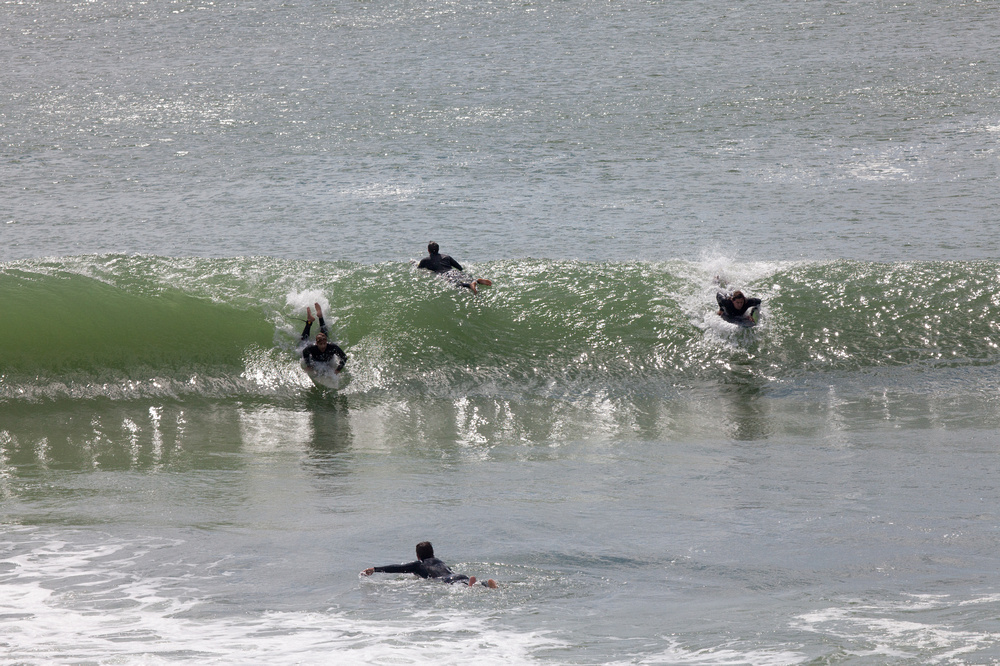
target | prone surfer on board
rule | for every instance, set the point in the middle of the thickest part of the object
(428, 566)
(442, 263)
(734, 309)
(320, 354)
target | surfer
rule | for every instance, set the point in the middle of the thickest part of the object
(443, 263)
(735, 307)
(322, 352)
(428, 566)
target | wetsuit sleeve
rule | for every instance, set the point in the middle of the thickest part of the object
(339, 352)
(424, 263)
(455, 264)
(336, 348)
(753, 303)
(415, 567)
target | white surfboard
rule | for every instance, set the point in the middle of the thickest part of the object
(323, 377)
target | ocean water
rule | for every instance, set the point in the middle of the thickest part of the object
(647, 484)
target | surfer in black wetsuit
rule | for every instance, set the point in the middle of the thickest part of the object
(321, 353)
(428, 566)
(442, 263)
(735, 306)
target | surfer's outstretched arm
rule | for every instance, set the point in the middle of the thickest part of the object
(721, 298)
(340, 354)
(410, 568)
(428, 566)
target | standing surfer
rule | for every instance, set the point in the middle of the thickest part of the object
(443, 263)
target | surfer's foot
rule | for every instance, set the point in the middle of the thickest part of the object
(485, 282)
(472, 287)
(492, 584)
(472, 581)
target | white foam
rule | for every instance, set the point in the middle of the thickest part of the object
(876, 629)
(300, 300)
(676, 653)
(66, 603)
(714, 272)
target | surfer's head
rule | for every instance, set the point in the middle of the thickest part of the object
(738, 296)
(425, 550)
(321, 340)
(432, 248)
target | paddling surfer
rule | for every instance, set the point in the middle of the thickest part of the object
(318, 356)
(736, 306)
(443, 263)
(428, 566)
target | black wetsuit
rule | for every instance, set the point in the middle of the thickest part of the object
(731, 311)
(439, 263)
(312, 355)
(432, 567)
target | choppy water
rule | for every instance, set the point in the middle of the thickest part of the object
(648, 484)
(587, 130)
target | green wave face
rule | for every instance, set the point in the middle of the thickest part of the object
(65, 323)
(849, 315)
(114, 325)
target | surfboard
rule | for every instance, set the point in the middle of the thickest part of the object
(749, 320)
(324, 378)
(327, 380)
(458, 279)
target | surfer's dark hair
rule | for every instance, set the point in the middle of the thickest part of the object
(433, 248)
(737, 294)
(425, 550)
